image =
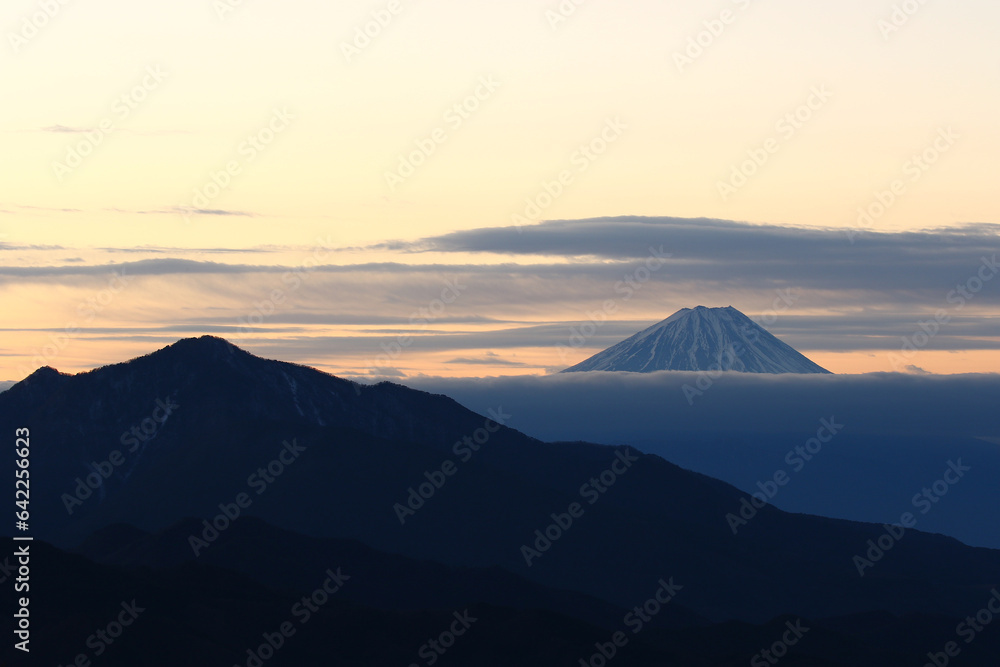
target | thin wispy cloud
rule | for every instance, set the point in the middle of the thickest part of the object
(48, 209)
(65, 129)
(494, 360)
(163, 250)
(69, 129)
(174, 211)
(27, 246)
(200, 211)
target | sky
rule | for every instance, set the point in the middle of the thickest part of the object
(461, 188)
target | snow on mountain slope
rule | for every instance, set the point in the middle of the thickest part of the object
(701, 339)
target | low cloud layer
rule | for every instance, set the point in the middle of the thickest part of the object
(621, 407)
(885, 439)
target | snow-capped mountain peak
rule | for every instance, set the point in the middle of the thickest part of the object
(701, 339)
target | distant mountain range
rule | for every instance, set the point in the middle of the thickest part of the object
(701, 339)
(431, 509)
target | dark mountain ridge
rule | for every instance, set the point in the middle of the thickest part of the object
(365, 449)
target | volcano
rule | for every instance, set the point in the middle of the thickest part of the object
(701, 339)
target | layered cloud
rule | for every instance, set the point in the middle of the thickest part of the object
(611, 408)
(539, 287)
(887, 437)
(721, 250)
(703, 251)
(629, 237)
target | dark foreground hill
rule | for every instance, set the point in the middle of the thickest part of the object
(199, 615)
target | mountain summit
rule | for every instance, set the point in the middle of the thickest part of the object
(701, 339)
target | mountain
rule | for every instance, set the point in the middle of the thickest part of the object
(385, 477)
(200, 615)
(701, 339)
(900, 432)
(284, 560)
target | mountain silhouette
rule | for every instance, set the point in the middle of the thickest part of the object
(322, 469)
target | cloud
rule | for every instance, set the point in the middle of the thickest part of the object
(144, 267)
(63, 129)
(201, 211)
(707, 257)
(719, 251)
(868, 296)
(384, 298)
(380, 372)
(896, 434)
(490, 360)
(165, 250)
(48, 209)
(173, 210)
(22, 246)
(622, 407)
(629, 237)
(323, 317)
